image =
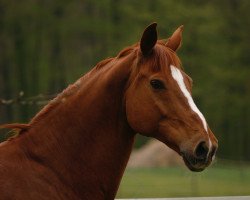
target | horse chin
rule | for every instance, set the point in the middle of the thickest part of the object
(194, 165)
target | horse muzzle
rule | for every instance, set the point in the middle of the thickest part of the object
(201, 158)
(195, 164)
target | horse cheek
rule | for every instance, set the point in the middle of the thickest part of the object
(142, 117)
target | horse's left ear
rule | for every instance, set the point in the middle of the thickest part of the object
(175, 41)
(149, 39)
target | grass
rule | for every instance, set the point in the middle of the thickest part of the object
(179, 182)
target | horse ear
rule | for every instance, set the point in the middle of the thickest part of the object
(175, 41)
(149, 39)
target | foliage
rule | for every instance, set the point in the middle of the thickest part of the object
(45, 45)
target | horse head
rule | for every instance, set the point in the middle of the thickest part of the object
(159, 103)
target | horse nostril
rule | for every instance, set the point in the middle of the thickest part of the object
(201, 150)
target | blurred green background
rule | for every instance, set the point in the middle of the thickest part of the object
(45, 45)
(219, 180)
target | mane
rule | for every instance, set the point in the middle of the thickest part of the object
(102, 63)
(163, 57)
(73, 88)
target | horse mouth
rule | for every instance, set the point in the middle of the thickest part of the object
(194, 164)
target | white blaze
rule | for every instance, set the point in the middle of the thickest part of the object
(177, 75)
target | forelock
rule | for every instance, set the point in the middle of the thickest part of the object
(161, 58)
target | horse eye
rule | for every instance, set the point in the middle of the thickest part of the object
(157, 84)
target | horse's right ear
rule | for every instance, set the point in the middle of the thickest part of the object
(149, 39)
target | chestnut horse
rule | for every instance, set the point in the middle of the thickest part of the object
(78, 145)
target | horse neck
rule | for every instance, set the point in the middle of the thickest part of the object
(86, 139)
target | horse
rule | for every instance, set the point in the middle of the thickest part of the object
(78, 145)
